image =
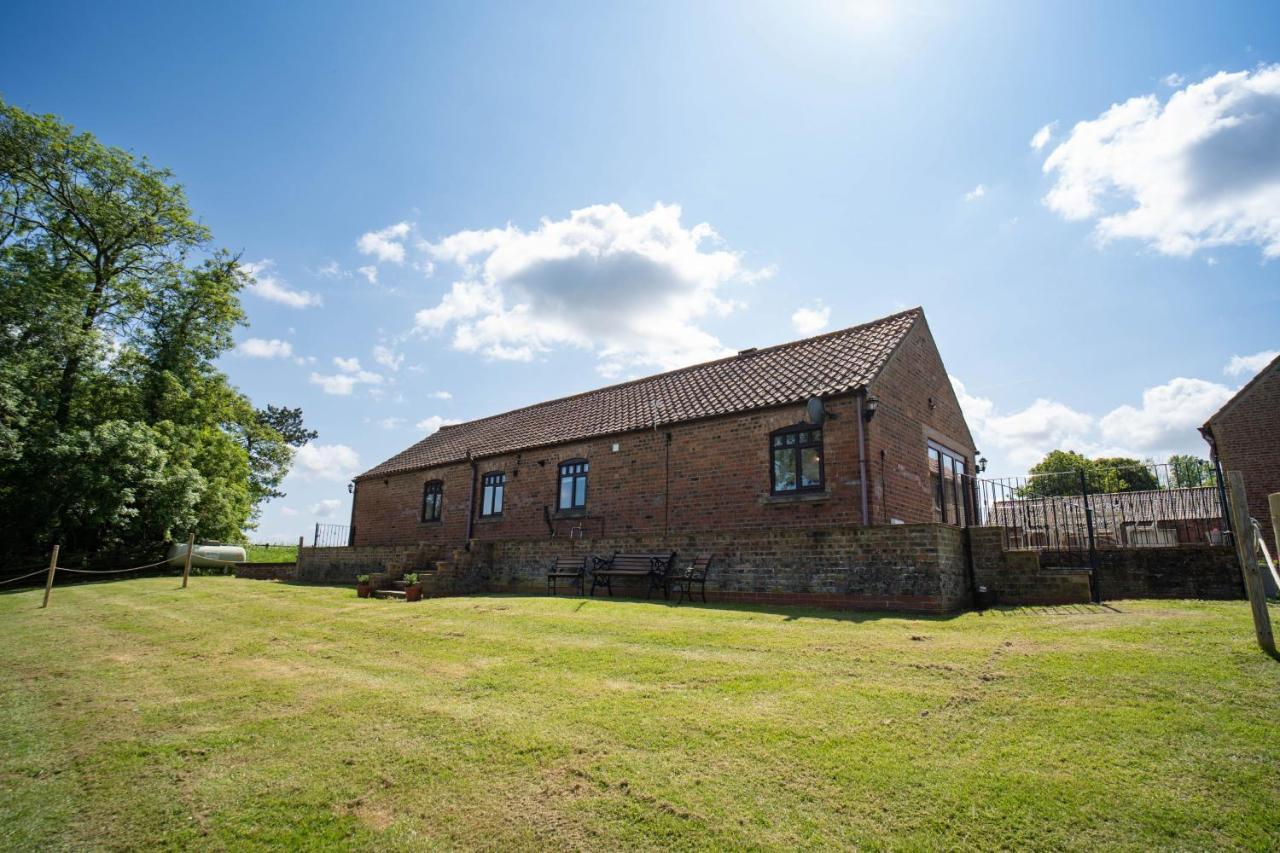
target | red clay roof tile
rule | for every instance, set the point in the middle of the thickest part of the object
(828, 364)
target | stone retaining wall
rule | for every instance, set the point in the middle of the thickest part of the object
(919, 567)
(267, 571)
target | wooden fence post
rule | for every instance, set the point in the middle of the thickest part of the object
(186, 567)
(1247, 553)
(48, 581)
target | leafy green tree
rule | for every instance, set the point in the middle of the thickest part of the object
(1187, 471)
(1125, 474)
(116, 428)
(1059, 474)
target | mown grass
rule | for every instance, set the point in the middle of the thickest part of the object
(271, 553)
(248, 714)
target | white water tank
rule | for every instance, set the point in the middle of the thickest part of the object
(206, 555)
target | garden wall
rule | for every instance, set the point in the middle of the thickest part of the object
(267, 571)
(919, 567)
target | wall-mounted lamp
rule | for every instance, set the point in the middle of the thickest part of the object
(869, 408)
(351, 487)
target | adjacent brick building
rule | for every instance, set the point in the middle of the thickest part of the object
(1244, 436)
(736, 444)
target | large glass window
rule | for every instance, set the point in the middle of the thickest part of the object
(947, 482)
(432, 500)
(795, 457)
(491, 493)
(573, 484)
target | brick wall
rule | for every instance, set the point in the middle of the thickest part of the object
(917, 567)
(1247, 436)
(267, 571)
(1181, 571)
(917, 405)
(1016, 577)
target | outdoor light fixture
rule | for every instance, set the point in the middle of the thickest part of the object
(869, 408)
(351, 488)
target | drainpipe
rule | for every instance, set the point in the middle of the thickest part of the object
(862, 458)
(471, 498)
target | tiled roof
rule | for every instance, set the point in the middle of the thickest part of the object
(788, 373)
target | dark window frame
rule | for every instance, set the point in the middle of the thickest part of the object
(795, 448)
(433, 488)
(572, 470)
(496, 480)
(951, 499)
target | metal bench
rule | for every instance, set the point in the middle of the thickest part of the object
(568, 568)
(653, 567)
(695, 574)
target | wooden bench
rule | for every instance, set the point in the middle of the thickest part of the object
(568, 568)
(695, 574)
(653, 567)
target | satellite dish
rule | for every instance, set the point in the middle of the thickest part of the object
(814, 412)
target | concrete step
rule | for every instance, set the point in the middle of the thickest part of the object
(394, 594)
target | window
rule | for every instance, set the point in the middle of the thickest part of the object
(432, 499)
(946, 480)
(573, 484)
(491, 494)
(796, 460)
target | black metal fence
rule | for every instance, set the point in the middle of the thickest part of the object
(331, 536)
(1083, 511)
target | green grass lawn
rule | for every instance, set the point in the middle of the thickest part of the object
(271, 553)
(242, 713)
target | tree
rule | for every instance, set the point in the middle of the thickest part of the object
(116, 428)
(1059, 474)
(1187, 471)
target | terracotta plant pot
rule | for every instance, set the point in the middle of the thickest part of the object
(364, 590)
(413, 593)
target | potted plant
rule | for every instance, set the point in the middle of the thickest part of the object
(412, 589)
(364, 589)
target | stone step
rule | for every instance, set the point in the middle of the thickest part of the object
(395, 594)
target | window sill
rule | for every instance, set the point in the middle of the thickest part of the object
(488, 519)
(569, 513)
(797, 498)
(429, 522)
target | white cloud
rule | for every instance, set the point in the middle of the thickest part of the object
(387, 357)
(441, 395)
(288, 511)
(1043, 136)
(325, 508)
(976, 193)
(628, 288)
(326, 461)
(1163, 424)
(387, 245)
(1200, 170)
(1167, 418)
(262, 348)
(351, 375)
(433, 423)
(810, 321)
(370, 273)
(332, 269)
(268, 286)
(1173, 80)
(1246, 366)
(391, 423)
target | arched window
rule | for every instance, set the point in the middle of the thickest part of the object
(795, 460)
(573, 484)
(432, 500)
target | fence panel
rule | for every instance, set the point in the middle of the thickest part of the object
(331, 536)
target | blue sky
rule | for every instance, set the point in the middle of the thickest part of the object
(404, 178)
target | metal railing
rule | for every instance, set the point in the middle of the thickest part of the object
(1103, 507)
(331, 536)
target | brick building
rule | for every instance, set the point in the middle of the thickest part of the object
(1244, 436)
(822, 471)
(721, 446)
